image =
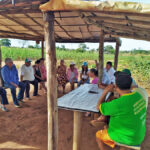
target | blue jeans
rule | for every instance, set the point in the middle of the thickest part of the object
(80, 82)
(20, 95)
(4, 100)
(27, 87)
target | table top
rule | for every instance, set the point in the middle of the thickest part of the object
(80, 99)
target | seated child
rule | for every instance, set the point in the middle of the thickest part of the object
(94, 75)
(84, 74)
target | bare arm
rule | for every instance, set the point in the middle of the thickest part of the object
(102, 98)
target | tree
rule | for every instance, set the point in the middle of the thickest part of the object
(24, 42)
(82, 47)
(5, 42)
(109, 49)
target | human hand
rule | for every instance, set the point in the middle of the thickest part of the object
(109, 88)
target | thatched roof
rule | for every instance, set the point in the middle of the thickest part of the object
(24, 20)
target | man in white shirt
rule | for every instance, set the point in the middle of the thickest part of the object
(27, 76)
(110, 70)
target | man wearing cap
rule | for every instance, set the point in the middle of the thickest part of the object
(127, 71)
(72, 75)
(27, 76)
(11, 80)
(127, 123)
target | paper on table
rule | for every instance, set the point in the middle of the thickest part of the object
(80, 99)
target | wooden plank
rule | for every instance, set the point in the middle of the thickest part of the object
(0, 66)
(34, 20)
(70, 36)
(116, 55)
(22, 24)
(77, 130)
(101, 56)
(51, 80)
(125, 19)
(42, 48)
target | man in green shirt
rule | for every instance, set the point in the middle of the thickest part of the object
(127, 123)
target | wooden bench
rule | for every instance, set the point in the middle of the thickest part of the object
(126, 147)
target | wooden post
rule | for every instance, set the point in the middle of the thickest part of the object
(1, 82)
(48, 18)
(116, 56)
(101, 56)
(77, 134)
(42, 48)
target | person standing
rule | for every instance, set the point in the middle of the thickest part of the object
(11, 80)
(27, 76)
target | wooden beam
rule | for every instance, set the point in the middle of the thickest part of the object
(101, 56)
(34, 20)
(81, 33)
(42, 48)
(70, 36)
(51, 80)
(77, 130)
(114, 32)
(22, 24)
(116, 56)
(112, 19)
(125, 27)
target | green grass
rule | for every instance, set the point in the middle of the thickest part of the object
(139, 64)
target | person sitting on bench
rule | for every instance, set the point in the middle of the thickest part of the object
(27, 76)
(11, 80)
(72, 75)
(4, 100)
(127, 123)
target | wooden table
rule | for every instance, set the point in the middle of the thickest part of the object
(79, 101)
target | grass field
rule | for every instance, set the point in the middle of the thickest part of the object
(139, 64)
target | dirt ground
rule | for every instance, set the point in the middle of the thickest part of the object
(26, 128)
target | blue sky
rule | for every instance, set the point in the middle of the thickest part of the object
(127, 44)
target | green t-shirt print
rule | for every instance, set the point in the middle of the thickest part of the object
(127, 118)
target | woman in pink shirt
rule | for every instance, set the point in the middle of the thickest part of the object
(72, 75)
(43, 69)
(94, 74)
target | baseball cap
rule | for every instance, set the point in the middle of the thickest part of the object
(85, 63)
(123, 81)
(72, 63)
(127, 71)
(27, 60)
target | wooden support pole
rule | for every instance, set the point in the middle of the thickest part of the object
(42, 49)
(77, 131)
(116, 56)
(101, 56)
(1, 82)
(48, 18)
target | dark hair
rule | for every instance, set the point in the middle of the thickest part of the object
(124, 82)
(41, 59)
(94, 71)
(85, 70)
(109, 63)
(37, 61)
